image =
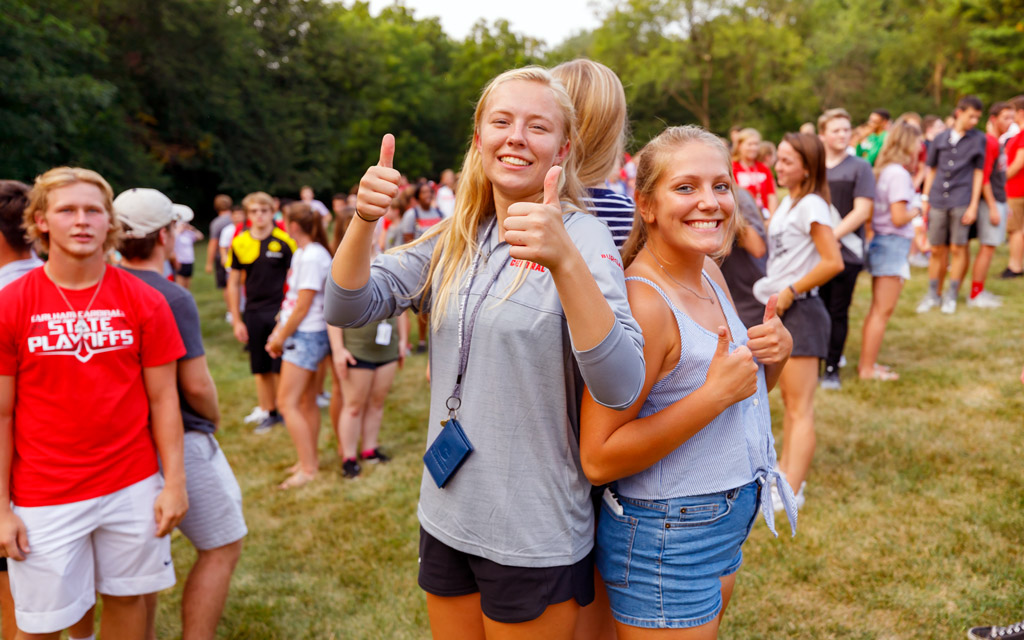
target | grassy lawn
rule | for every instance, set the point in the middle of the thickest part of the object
(913, 527)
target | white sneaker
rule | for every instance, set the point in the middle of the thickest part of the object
(929, 302)
(257, 415)
(985, 300)
(842, 361)
(948, 304)
(323, 400)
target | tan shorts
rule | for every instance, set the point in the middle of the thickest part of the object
(1015, 222)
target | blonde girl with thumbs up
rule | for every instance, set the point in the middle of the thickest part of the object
(527, 302)
(692, 460)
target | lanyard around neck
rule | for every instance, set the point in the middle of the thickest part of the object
(466, 330)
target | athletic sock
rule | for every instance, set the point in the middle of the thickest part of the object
(976, 288)
(933, 287)
(954, 288)
(368, 453)
(274, 413)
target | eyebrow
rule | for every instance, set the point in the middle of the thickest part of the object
(531, 116)
(679, 178)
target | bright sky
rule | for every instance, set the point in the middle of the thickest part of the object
(549, 20)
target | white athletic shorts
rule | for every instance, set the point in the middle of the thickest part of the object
(214, 516)
(106, 544)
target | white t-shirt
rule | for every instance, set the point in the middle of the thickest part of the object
(791, 251)
(309, 270)
(184, 246)
(227, 234)
(445, 200)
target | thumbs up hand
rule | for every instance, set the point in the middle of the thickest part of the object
(770, 342)
(379, 185)
(733, 374)
(535, 231)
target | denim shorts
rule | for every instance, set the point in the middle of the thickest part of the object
(662, 560)
(306, 349)
(887, 256)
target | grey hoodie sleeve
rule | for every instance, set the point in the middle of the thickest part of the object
(614, 369)
(394, 285)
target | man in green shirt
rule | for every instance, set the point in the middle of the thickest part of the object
(869, 147)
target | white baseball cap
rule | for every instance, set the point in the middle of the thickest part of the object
(144, 211)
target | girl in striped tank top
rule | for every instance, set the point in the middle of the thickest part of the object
(692, 459)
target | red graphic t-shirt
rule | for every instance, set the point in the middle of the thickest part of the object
(757, 180)
(1015, 185)
(81, 414)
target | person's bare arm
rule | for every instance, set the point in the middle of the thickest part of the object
(828, 267)
(752, 242)
(972, 209)
(198, 389)
(926, 206)
(168, 435)
(615, 444)
(234, 304)
(860, 214)
(211, 254)
(13, 535)
(901, 215)
(275, 344)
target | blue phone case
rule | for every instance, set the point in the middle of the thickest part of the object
(447, 453)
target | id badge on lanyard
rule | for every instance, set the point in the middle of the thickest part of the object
(383, 334)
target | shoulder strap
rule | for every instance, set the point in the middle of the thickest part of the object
(656, 288)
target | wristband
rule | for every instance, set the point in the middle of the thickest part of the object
(925, 198)
(360, 215)
(795, 294)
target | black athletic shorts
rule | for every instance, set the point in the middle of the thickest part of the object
(260, 324)
(372, 366)
(185, 269)
(507, 594)
(220, 274)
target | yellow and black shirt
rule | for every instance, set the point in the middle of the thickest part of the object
(265, 263)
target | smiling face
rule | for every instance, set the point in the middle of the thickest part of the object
(789, 168)
(692, 204)
(520, 136)
(76, 219)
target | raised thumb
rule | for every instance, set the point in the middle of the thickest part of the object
(551, 185)
(387, 151)
(769, 309)
(723, 343)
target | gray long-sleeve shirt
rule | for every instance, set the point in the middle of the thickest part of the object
(521, 498)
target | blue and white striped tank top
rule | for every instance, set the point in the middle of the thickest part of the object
(734, 449)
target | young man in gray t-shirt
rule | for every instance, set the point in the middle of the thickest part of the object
(214, 523)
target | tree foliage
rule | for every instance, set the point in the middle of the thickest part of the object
(202, 96)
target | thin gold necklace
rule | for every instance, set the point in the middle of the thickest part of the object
(81, 326)
(709, 298)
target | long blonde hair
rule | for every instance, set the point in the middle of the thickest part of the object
(653, 165)
(902, 146)
(474, 201)
(600, 103)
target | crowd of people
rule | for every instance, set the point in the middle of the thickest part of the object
(646, 303)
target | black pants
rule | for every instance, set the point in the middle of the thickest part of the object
(837, 294)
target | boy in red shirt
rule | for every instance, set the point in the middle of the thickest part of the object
(87, 355)
(1015, 193)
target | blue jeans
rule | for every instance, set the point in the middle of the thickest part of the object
(662, 560)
